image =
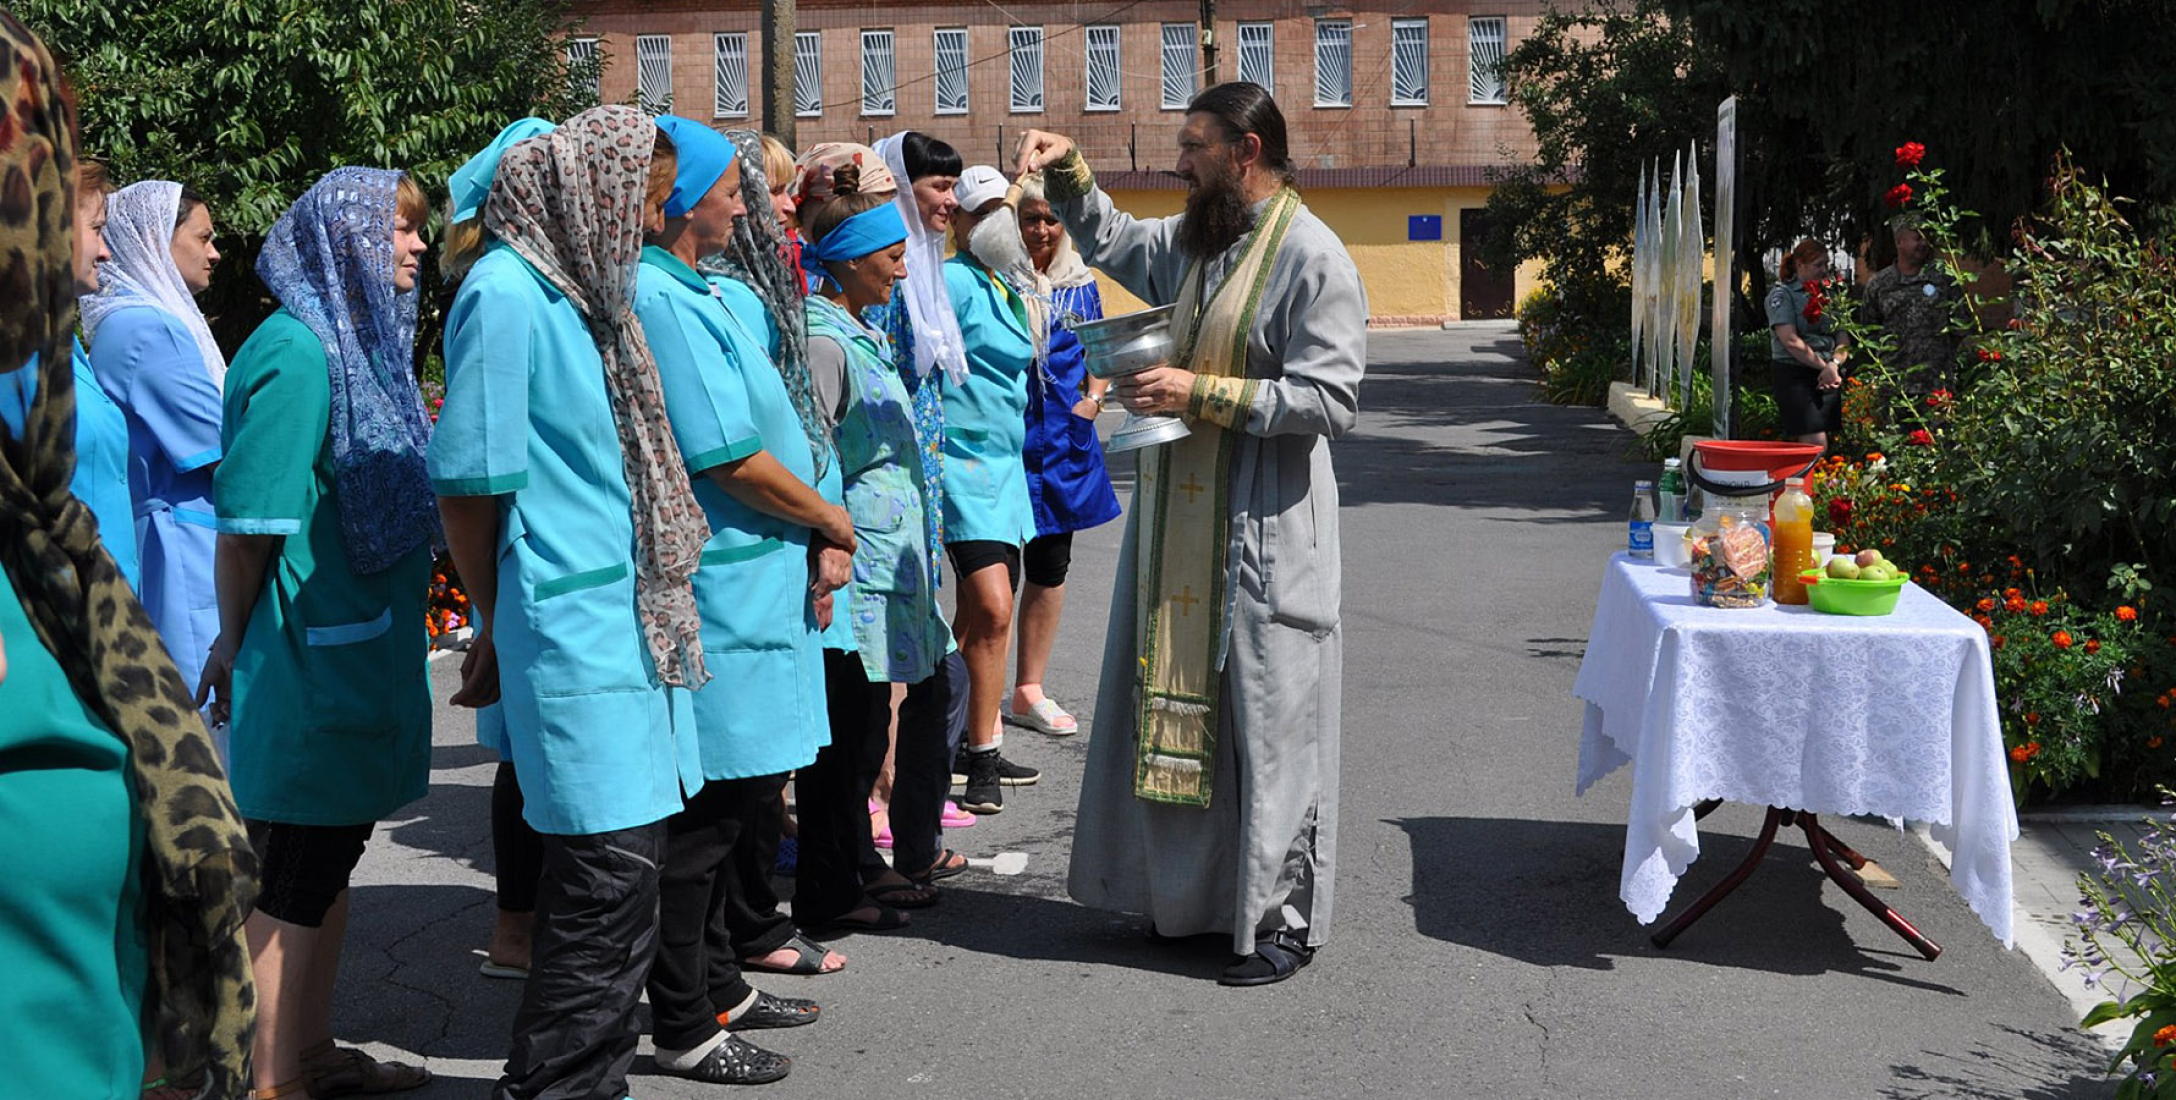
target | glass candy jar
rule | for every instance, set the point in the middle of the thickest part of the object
(1729, 552)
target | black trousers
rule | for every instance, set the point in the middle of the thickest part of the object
(831, 796)
(932, 719)
(596, 930)
(517, 850)
(752, 923)
(696, 973)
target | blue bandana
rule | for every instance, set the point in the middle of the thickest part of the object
(854, 238)
(470, 184)
(329, 260)
(703, 155)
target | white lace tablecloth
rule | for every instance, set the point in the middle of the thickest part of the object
(1783, 706)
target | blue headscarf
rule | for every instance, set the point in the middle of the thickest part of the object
(702, 155)
(330, 260)
(470, 184)
(854, 238)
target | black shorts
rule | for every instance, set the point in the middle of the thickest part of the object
(1804, 406)
(976, 555)
(1047, 559)
(303, 868)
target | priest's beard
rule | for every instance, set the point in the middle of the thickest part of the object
(1217, 214)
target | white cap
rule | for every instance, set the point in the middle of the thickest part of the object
(978, 185)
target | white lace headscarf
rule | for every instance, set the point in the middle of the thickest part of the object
(937, 339)
(140, 233)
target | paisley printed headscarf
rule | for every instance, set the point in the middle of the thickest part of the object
(571, 203)
(140, 234)
(200, 874)
(757, 257)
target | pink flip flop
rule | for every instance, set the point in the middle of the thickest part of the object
(956, 818)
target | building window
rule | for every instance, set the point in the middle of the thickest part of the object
(879, 87)
(1333, 62)
(653, 72)
(1409, 62)
(585, 65)
(952, 71)
(1485, 39)
(1258, 54)
(731, 99)
(1102, 68)
(1027, 69)
(808, 73)
(1182, 64)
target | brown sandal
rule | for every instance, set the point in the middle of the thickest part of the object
(286, 1088)
(345, 1071)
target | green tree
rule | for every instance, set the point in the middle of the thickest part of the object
(1995, 90)
(249, 103)
(1608, 90)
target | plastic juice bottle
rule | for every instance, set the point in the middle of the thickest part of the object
(1793, 545)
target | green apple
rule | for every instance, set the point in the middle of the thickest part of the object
(1843, 569)
(1868, 557)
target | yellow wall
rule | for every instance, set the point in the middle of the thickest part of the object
(1407, 281)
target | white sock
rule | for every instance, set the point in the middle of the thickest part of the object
(684, 1060)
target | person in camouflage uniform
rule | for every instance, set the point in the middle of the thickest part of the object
(1914, 304)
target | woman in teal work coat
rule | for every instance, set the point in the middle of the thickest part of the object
(738, 434)
(101, 480)
(571, 519)
(120, 831)
(154, 355)
(988, 515)
(325, 531)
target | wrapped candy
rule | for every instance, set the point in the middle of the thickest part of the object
(1730, 561)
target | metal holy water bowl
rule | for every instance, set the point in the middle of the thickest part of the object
(1129, 344)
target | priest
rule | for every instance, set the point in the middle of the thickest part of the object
(1210, 800)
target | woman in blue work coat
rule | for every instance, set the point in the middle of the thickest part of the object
(570, 519)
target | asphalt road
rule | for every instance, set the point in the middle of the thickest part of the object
(1479, 948)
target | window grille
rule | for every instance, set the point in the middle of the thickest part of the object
(731, 98)
(1027, 69)
(879, 83)
(1485, 41)
(1102, 75)
(1257, 54)
(952, 71)
(586, 64)
(1182, 64)
(1409, 62)
(1333, 63)
(653, 72)
(808, 73)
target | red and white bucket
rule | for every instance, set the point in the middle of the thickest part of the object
(1746, 467)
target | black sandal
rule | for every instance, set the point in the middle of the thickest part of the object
(888, 894)
(943, 869)
(808, 958)
(1276, 957)
(887, 919)
(736, 1061)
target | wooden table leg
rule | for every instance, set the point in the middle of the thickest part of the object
(1730, 882)
(1825, 850)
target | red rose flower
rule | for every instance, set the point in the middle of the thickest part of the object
(1920, 437)
(1909, 154)
(1898, 195)
(1939, 399)
(1839, 511)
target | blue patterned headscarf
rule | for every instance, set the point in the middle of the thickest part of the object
(330, 261)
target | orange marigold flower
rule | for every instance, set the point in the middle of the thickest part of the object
(2166, 1035)
(2127, 614)
(2032, 717)
(2061, 638)
(2154, 742)
(1986, 605)
(2032, 749)
(2039, 607)
(2014, 604)
(1997, 641)
(2018, 755)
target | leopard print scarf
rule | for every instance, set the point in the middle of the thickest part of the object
(571, 203)
(200, 874)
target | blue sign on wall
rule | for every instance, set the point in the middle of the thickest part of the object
(1424, 227)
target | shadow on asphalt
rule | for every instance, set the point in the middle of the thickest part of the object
(1022, 926)
(1992, 1072)
(1521, 452)
(1480, 882)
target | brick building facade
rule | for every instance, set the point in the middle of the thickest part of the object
(1395, 109)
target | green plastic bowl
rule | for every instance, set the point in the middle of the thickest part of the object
(1833, 596)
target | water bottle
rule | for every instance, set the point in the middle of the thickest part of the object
(1670, 494)
(1641, 541)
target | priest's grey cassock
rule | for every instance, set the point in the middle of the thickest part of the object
(1262, 856)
